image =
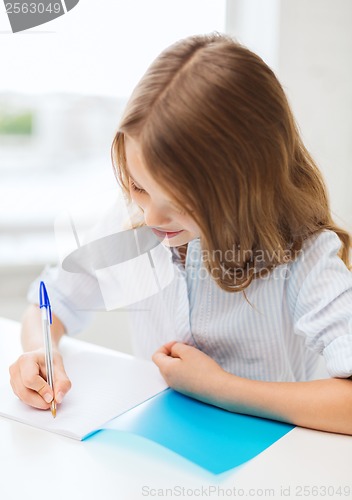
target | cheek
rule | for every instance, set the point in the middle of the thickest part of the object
(136, 198)
(188, 223)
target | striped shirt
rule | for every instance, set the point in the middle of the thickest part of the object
(301, 310)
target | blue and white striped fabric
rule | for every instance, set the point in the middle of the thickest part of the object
(300, 311)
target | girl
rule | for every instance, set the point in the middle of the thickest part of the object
(209, 151)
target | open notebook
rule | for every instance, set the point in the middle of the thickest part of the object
(115, 392)
(105, 384)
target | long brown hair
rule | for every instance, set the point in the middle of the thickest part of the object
(216, 130)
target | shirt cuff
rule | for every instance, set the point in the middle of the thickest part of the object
(73, 320)
(338, 357)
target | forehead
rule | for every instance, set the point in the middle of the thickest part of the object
(135, 164)
(133, 154)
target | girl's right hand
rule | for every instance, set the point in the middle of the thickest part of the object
(28, 379)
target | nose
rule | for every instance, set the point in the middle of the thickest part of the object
(155, 216)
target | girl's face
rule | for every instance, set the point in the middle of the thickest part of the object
(167, 220)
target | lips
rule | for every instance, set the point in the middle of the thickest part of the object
(166, 234)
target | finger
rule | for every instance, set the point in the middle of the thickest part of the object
(163, 361)
(32, 398)
(171, 350)
(31, 371)
(159, 357)
(29, 396)
(30, 375)
(179, 350)
(62, 383)
(166, 348)
(38, 386)
(163, 352)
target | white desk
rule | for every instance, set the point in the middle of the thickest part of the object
(37, 464)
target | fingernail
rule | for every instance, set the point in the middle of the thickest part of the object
(48, 397)
(59, 397)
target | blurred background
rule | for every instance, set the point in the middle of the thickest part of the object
(64, 86)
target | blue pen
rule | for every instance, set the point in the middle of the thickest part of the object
(47, 320)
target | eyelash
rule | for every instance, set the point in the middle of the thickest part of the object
(135, 188)
(140, 190)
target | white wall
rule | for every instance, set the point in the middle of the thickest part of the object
(309, 46)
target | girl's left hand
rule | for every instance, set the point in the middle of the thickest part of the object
(190, 371)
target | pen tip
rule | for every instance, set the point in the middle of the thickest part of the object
(53, 410)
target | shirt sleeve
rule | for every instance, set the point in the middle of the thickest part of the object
(320, 299)
(73, 296)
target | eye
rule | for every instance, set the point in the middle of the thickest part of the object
(135, 188)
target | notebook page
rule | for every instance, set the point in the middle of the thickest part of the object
(103, 387)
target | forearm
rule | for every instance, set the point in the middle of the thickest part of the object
(324, 405)
(32, 333)
(321, 404)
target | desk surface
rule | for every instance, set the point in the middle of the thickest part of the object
(304, 463)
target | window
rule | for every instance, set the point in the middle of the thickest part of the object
(62, 90)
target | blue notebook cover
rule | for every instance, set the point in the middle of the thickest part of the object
(215, 439)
